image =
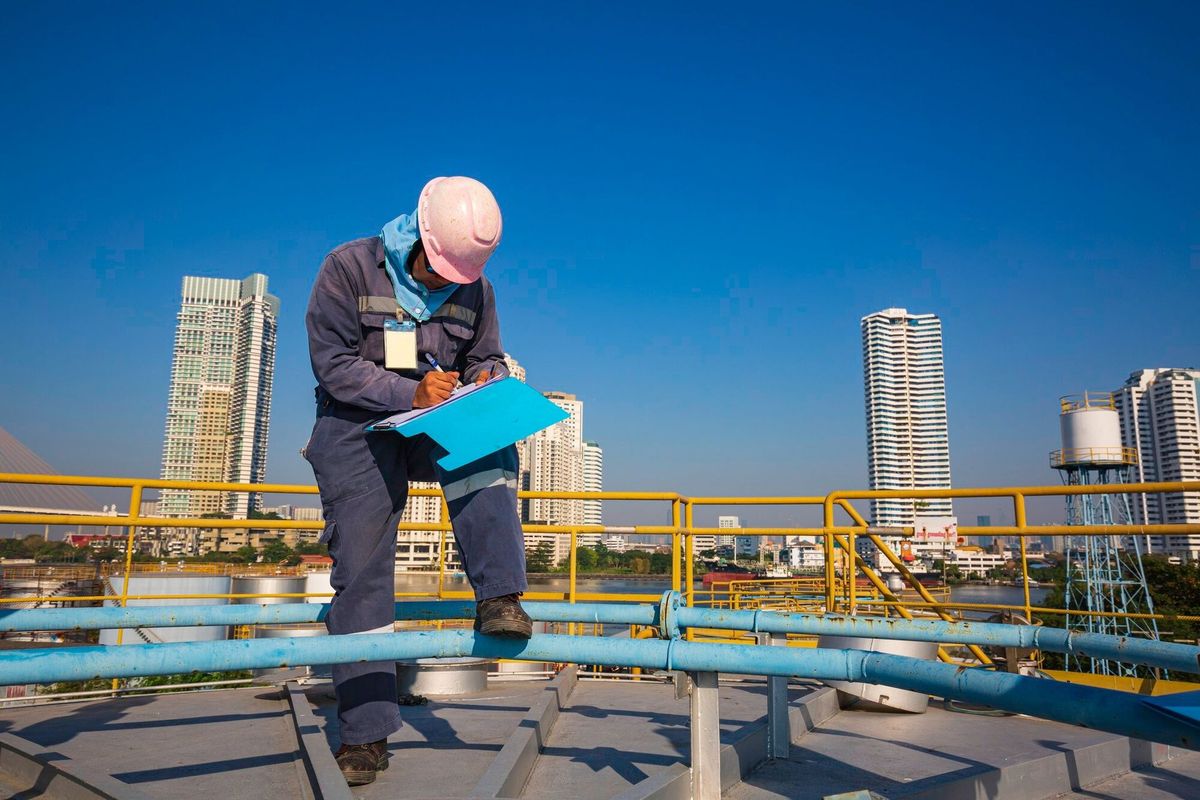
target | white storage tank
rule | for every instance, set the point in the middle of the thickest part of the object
(268, 584)
(875, 697)
(170, 583)
(318, 583)
(1091, 430)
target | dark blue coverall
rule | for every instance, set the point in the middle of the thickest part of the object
(363, 477)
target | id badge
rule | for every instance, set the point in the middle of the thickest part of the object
(399, 344)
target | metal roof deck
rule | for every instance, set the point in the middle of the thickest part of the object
(610, 739)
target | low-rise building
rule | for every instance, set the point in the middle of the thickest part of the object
(976, 561)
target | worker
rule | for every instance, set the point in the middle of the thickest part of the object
(383, 312)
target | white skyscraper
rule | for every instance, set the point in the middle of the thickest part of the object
(1160, 419)
(908, 441)
(219, 403)
(556, 465)
(722, 540)
(514, 368)
(593, 481)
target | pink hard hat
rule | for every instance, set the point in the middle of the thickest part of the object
(460, 227)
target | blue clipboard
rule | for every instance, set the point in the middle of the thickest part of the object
(477, 420)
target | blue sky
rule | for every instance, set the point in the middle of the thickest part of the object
(700, 203)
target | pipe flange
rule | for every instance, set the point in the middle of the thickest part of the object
(668, 616)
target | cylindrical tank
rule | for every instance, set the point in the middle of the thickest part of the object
(295, 630)
(61, 591)
(442, 676)
(174, 583)
(870, 696)
(1091, 431)
(318, 583)
(268, 584)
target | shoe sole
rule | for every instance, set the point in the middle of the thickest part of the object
(509, 629)
(356, 777)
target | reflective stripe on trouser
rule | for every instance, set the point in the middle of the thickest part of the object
(364, 486)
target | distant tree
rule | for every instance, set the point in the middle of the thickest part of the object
(261, 515)
(660, 563)
(216, 515)
(109, 553)
(586, 559)
(57, 552)
(245, 554)
(540, 558)
(276, 551)
(13, 548)
(312, 549)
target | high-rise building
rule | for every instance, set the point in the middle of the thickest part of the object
(727, 540)
(219, 402)
(908, 441)
(1160, 419)
(593, 481)
(556, 465)
(747, 546)
(515, 369)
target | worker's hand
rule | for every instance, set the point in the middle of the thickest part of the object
(483, 377)
(434, 388)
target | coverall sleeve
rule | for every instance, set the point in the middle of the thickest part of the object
(485, 351)
(333, 341)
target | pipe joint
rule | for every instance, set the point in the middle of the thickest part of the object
(668, 615)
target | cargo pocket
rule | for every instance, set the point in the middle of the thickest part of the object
(329, 532)
(371, 345)
(458, 336)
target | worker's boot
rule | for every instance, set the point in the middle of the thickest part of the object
(503, 616)
(360, 762)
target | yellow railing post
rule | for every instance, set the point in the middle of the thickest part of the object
(444, 515)
(135, 512)
(573, 566)
(689, 570)
(675, 556)
(851, 567)
(1019, 519)
(689, 590)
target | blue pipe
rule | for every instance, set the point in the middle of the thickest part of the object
(1167, 655)
(64, 619)
(1150, 652)
(1117, 712)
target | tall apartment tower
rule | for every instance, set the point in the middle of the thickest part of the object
(908, 441)
(593, 481)
(1160, 419)
(556, 465)
(219, 402)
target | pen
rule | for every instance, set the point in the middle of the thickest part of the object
(434, 363)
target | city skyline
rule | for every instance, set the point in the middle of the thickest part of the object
(863, 174)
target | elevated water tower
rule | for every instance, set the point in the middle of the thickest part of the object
(1104, 573)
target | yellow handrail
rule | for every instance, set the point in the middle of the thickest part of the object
(837, 587)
